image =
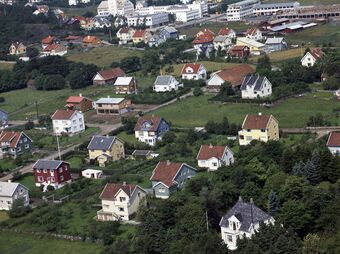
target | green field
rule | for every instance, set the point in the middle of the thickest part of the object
(3, 216)
(6, 66)
(14, 243)
(280, 56)
(294, 112)
(103, 56)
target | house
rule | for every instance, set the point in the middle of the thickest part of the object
(205, 33)
(14, 143)
(311, 57)
(214, 157)
(125, 34)
(242, 220)
(144, 154)
(79, 103)
(55, 173)
(105, 148)
(54, 50)
(168, 32)
(255, 86)
(125, 85)
(166, 83)
(9, 192)
(91, 41)
(333, 143)
(92, 173)
(203, 44)
(17, 48)
(225, 31)
(254, 34)
(167, 177)
(222, 42)
(109, 76)
(120, 201)
(68, 122)
(150, 129)
(48, 41)
(41, 9)
(238, 51)
(258, 127)
(3, 119)
(112, 106)
(276, 44)
(233, 75)
(194, 71)
(141, 36)
(255, 47)
(75, 39)
(156, 40)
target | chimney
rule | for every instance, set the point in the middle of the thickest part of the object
(240, 199)
(210, 146)
(168, 162)
(108, 96)
(260, 114)
(80, 95)
(9, 181)
(124, 183)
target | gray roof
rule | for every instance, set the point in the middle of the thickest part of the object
(276, 5)
(109, 100)
(101, 142)
(220, 38)
(246, 213)
(275, 40)
(252, 80)
(169, 29)
(163, 80)
(48, 164)
(7, 189)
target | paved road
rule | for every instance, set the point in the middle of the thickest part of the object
(104, 129)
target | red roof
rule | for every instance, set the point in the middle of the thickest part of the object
(124, 30)
(208, 151)
(334, 139)
(139, 33)
(194, 66)
(235, 74)
(256, 122)
(316, 53)
(165, 172)
(225, 31)
(72, 37)
(205, 33)
(203, 39)
(111, 189)
(62, 114)
(154, 122)
(91, 39)
(112, 73)
(52, 47)
(48, 40)
(251, 31)
(75, 99)
(12, 137)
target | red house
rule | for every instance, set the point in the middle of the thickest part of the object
(53, 173)
(239, 51)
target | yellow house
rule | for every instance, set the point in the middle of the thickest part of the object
(253, 45)
(258, 127)
(17, 48)
(105, 148)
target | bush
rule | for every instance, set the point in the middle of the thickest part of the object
(197, 91)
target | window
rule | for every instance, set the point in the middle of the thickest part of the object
(121, 209)
(214, 164)
(45, 170)
(263, 130)
(122, 199)
(40, 179)
(230, 238)
(61, 178)
(27, 146)
(52, 179)
(19, 149)
(60, 170)
(25, 139)
(241, 137)
(161, 190)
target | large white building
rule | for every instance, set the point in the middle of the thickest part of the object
(68, 122)
(240, 10)
(151, 20)
(272, 9)
(115, 8)
(9, 192)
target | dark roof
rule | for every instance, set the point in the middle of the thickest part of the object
(101, 142)
(11, 137)
(254, 80)
(48, 164)
(246, 213)
(111, 189)
(256, 122)
(112, 73)
(334, 139)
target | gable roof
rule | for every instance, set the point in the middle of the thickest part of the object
(205, 33)
(316, 53)
(256, 121)
(7, 189)
(246, 213)
(166, 172)
(110, 100)
(334, 139)
(123, 81)
(163, 80)
(250, 42)
(111, 189)
(101, 142)
(203, 39)
(253, 80)
(194, 66)
(208, 151)
(275, 40)
(54, 47)
(237, 48)
(63, 114)
(251, 31)
(48, 164)
(75, 99)
(124, 30)
(111, 73)
(11, 137)
(17, 45)
(235, 74)
(221, 38)
(48, 40)
(154, 122)
(225, 31)
(139, 33)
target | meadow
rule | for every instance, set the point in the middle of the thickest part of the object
(279, 56)
(6, 66)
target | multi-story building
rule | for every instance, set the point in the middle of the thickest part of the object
(274, 8)
(150, 20)
(14, 143)
(115, 8)
(9, 192)
(255, 86)
(112, 106)
(240, 10)
(68, 122)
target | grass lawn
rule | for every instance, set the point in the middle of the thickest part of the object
(6, 66)
(145, 82)
(103, 56)
(28, 181)
(129, 138)
(294, 112)
(14, 243)
(75, 162)
(6, 164)
(3, 216)
(280, 56)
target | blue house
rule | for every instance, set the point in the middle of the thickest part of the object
(3, 119)
(149, 129)
(276, 44)
(168, 177)
(168, 32)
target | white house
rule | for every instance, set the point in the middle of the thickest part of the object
(214, 157)
(120, 201)
(242, 220)
(255, 86)
(333, 143)
(68, 122)
(54, 50)
(92, 173)
(150, 20)
(310, 58)
(254, 34)
(125, 34)
(222, 42)
(9, 192)
(194, 71)
(166, 83)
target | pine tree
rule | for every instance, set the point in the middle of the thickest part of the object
(273, 203)
(298, 169)
(311, 172)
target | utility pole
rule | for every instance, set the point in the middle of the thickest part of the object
(58, 147)
(36, 108)
(206, 219)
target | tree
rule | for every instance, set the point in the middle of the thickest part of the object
(273, 203)
(197, 91)
(114, 64)
(169, 137)
(299, 169)
(18, 208)
(311, 172)
(130, 64)
(32, 52)
(263, 64)
(54, 82)
(226, 90)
